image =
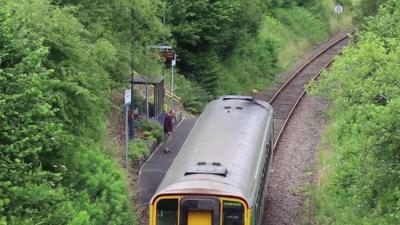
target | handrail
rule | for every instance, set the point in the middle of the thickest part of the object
(174, 97)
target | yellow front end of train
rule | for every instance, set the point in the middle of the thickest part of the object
(199, 210)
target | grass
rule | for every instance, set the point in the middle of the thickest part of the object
(315, 194)
(294, 38)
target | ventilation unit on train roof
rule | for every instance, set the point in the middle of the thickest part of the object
(214, 168)
(244, 98)
(237, 97)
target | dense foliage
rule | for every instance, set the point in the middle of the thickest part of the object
(232, 47)
(205, 31)
(109, 26)
(53, 167)
(138, 150)
(59, 59)
(367, 8)
(364, 181)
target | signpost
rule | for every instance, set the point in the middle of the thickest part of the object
(339, 9)
(173, 63)
(127, 97)
(127, 104)
(132, 107)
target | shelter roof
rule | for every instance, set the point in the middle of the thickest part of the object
(140, 79)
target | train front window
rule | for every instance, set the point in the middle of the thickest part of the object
(167, 212)
(233, 213)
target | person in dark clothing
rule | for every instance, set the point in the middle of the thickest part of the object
(168, 129)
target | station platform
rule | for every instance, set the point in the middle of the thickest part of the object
(154, 169)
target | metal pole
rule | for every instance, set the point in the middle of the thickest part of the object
(164, 18)
(162, 93)
(147, 100)
(338, 23)
(132, 108)
(126, 136)
(172, 82)
(163, 66)
(163, 88)
(147, 83)
(156, 100)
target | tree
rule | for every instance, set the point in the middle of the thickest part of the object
(363, 187)
(206, 33)
(54, 169)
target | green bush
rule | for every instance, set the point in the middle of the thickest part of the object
(194, 98)
(52, 111)
(303, 23)
(138, 149)
(207, 32)
(153, 127)
(364, 181)
(284, 35)
(252, 65)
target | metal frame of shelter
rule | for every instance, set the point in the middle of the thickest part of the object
(158, 94)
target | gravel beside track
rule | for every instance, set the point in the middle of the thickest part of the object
(293, 168)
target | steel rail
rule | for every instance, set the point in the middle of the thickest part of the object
(296, 104)
(284, 125)
(305, 65)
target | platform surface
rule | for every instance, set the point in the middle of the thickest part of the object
(155, 168)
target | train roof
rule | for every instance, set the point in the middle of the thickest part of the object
(221, 154)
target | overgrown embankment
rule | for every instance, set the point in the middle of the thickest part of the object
(55, 72)
(236, 46)
(361, 181)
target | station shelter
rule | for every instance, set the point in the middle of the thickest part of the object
(152, 110)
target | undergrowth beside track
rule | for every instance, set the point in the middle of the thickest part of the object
(285, 32)
(362, 170)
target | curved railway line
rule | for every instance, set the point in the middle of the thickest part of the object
(288, 96)
(283, 204)
(284, 101)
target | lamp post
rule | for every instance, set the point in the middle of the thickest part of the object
(173, 63)
(163, 66)
(132, 81)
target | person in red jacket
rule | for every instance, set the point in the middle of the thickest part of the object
(168, 126)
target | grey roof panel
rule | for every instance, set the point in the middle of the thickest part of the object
(233, 137)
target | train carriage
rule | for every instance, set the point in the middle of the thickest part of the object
(219, 174)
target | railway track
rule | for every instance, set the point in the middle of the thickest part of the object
(283, 205)
(288, 96)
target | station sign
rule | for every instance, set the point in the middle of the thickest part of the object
(339, 9)
(128, 97)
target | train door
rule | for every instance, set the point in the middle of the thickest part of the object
(197, 210)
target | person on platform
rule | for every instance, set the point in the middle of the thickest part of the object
(168, 126)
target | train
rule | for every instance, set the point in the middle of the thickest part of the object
(219, 174)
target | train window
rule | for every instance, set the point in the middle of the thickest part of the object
(167, 212)
(233, 213)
